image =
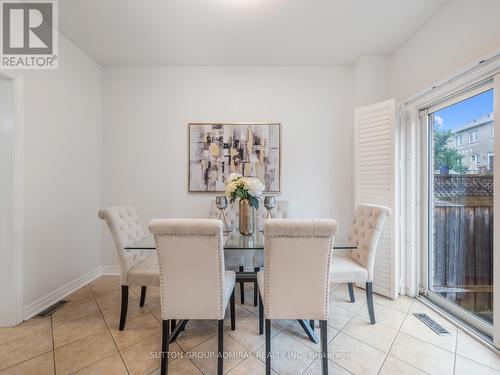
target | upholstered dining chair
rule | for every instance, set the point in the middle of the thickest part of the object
(254, 259)
(356, 266)
(295, 282)
(136, 269)
(193, 281)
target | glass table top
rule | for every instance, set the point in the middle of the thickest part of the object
(234, 241)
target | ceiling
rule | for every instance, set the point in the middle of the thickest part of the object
(241, 32)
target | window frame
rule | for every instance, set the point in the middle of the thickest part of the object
(473, 132)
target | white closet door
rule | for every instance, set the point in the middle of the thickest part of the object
(376, 183)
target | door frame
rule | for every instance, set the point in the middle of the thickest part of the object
(13, 301)
(417, 151)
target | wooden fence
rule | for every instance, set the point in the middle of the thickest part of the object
(463, 241)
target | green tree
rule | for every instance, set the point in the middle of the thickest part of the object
(444, 156)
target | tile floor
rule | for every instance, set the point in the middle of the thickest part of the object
(83, 338)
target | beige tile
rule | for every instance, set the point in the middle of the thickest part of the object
(112, 365)
(155, 308)
(109, 298)
(24, 329)
(241, 314)
(112, 313)
(204, 355)
(424, 356)
(25, 347)
(41, 365)
(181, 366)
(465, 366)
(472, 349)
(85, 352)
(288, 355)
(414, 327)
(152, 293)
(402, 303)
(341, 292)
(105, 281)
(389, 317)
(70, 331)
(393, 366)
(81, 295)
(281, 324)
(247, 333)
(338, 317)
(136, 329)
(140, 324)
(75, 309)
(248, 300)
(196, 332)
(250, 365)
(107, 291)
(144, 356)
(377, 335)
(340, 298)
(354, 355)
(333, 368)
(296, 331)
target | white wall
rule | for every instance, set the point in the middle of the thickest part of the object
(62, 172)
(146, 112)
(371, 78)
(460, 35)
(8, 279)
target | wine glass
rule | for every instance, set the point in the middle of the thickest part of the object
(221, 204)
(269, 204)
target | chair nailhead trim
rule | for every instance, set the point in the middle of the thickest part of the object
(162, 282)
(267, 269)
(327, 277)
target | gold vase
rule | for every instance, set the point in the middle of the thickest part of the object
(246, 217)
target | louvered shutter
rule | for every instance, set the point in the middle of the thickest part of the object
(376, 183)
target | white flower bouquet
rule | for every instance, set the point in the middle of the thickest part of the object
(248, 188)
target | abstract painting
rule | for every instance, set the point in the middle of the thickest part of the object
(218, 149)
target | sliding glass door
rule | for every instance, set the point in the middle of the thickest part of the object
(460, 206)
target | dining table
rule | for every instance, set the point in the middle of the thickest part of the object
(234, 243)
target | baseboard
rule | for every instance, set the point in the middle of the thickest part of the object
(110, 270)
(41, 304)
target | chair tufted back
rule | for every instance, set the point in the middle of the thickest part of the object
(365, 233)
(298, 253)
(190, 253)
(280, 211)
(125, 228)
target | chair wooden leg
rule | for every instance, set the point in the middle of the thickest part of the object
(255, 288)
(369, 301)
(179, 327)
(324, 347)
(242, 288)
(173, 323)
(261, 315)
(123, 313)
(311, 323)
(220, 348)
(164, 347)
(268, 346)
(350, 286)
(143, 296)
(232, 310)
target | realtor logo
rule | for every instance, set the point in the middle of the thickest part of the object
(29, 34)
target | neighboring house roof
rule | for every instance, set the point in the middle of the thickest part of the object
(475, 123)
